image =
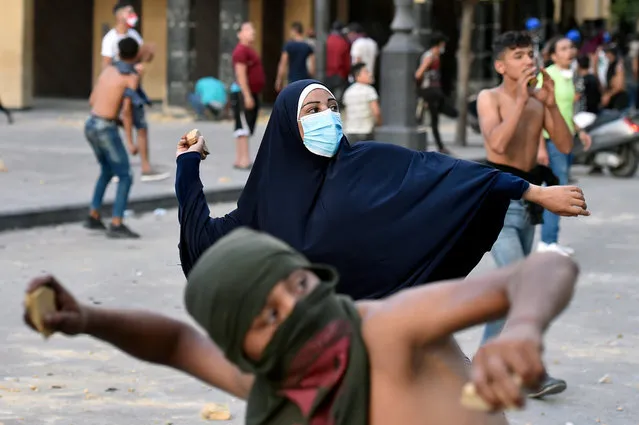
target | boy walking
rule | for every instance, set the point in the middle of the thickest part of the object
(512, 117)
(362, 106)
(114, 94)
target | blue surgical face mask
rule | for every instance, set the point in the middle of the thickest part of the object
(322, 132)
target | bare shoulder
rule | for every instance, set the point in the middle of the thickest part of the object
(387, 349)
(488, 95)
(488, 99)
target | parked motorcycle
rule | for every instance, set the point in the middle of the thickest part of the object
(615, 141)
(615, 146)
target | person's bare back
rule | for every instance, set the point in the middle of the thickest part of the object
(107, 96)
(423, 385)
(417, 369)
(418, 385)
(521, 152)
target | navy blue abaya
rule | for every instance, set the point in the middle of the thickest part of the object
(386, 217)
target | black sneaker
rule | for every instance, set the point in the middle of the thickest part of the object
(121, 232)
(549, 386)
(92, 223)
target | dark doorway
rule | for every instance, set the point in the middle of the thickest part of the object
(207, 38)
(63, 55)
(272, 42)
(448, 15)
(375, 16)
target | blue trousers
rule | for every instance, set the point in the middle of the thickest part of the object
(513, 244)
(560, 165)
(104, 138)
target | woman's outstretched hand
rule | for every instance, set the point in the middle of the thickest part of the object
(200, 147)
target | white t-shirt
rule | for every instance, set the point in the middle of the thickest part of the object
(365, 48)
(359, 114)
(112, 38)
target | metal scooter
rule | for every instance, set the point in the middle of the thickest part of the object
(615, 146)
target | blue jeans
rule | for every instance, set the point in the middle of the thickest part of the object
(196, 104)
(139, 117)
(560, 166)
(104, 138)
(513, 244)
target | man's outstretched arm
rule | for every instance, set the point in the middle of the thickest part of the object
(534, 291)
(147, 336)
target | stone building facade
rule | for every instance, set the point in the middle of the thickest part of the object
(52, 48)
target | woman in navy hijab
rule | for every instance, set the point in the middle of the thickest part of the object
(386, 217)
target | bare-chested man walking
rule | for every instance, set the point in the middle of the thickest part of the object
(114, 94)
(512, 117)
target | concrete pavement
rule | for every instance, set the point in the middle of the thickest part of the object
(64, 381)
(51, 170)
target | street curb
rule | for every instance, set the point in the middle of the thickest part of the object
(26, 219)
(30, 218)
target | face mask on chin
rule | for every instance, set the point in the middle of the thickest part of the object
(566, 73)
(132, 20)
(322, 132)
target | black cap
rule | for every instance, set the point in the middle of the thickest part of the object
(356, 28)
(121, 5)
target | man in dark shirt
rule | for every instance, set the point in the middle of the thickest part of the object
(587, 87)
(295, 54)
(338, 61)
(250, 80)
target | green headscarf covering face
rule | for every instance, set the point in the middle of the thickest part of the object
(315, 365)
(228, 287)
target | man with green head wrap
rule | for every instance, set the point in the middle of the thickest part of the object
(320, 358)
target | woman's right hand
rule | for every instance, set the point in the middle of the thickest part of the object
(566, 201)
(69, 318)
(199, 147)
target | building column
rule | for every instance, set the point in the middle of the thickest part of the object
(398, 93)
(322, 18)
(423, 21)
(232, 14)
(482, 69)
(180, 51)
(496, 33)
(16, 50)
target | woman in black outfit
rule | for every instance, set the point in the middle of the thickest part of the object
(428, 76)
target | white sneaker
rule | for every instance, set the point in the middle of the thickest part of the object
(568, 250)
(554, 247)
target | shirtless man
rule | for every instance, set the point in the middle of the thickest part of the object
(391, 361)
(512, 117)
(113, 94)
(126, 20)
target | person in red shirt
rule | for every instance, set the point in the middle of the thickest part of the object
(249, 82)
(338, 61)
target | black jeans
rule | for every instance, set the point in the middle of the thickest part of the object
(434, 96)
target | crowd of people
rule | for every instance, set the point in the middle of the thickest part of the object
(263, 280)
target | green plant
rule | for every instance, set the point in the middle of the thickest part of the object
(626, 10)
